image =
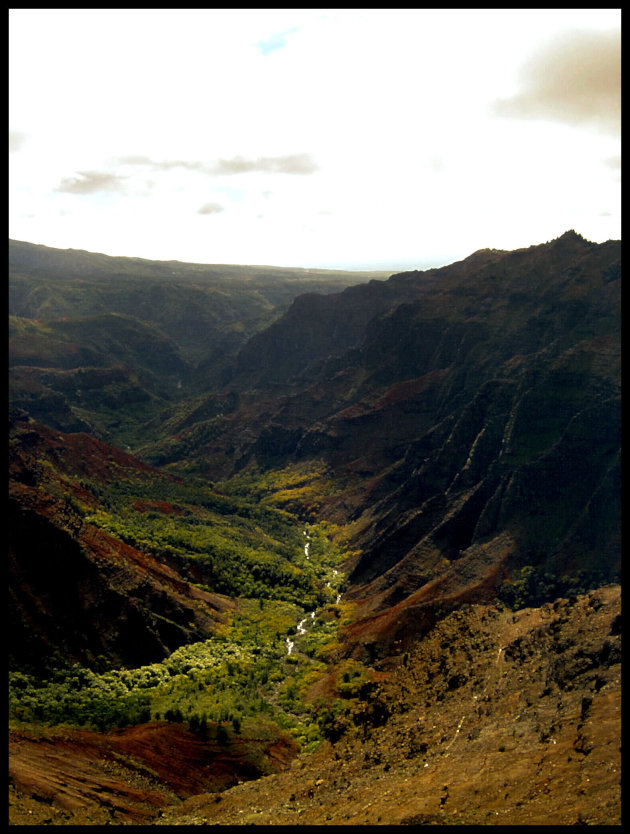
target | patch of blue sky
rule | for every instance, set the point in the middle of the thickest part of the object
(276, 41)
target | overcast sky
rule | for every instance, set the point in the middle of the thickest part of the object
(315, 138)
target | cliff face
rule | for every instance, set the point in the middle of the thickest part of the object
(478, 405)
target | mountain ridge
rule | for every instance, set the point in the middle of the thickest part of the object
(507, 391)
(444, 446)
(446, 395)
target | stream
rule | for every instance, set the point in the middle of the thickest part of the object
(300, 626)
(300, 630)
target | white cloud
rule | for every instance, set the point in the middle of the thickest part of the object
(210, 208)
(91, 182)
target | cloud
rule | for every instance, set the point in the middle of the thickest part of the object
(91, 182)
(275, 41)
(94, 182)
(301, 163)
(576, 79)
(210, 208)
(139, 160)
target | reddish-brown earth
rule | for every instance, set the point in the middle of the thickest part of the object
(127, 775)
(493, 717)
(123, 604)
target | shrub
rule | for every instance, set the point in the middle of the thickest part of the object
(174, 715)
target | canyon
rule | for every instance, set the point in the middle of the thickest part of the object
(424, 467)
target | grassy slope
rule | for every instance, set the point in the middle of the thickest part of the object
(238, 539)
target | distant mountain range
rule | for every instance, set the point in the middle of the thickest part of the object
(161, 329)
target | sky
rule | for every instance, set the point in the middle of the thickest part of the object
(330, 138)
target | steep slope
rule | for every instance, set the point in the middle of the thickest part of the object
(129, 776)
(495, 718)
(112, 562)
(476, 409)
(77, 593)
(458, 430)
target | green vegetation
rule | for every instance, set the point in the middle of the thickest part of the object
(243, 679)
(533, 586)
(285, 576)
(238, 547)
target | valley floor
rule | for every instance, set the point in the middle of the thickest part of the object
(495, 717)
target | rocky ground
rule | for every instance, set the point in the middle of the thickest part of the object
(495, 717)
